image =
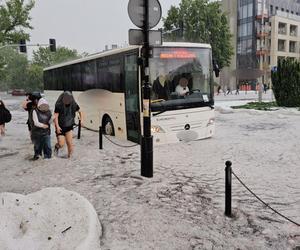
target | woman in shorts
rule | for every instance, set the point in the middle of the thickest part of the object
(64, 120)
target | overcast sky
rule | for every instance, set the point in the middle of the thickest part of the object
(85, 25)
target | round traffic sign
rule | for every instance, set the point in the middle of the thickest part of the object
(136, 12)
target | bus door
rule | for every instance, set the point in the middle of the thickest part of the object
(132, 98)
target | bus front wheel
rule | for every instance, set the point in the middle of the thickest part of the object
(108, 126)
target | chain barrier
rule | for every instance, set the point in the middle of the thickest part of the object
(122, 146)
(267, 205)
(100, 137)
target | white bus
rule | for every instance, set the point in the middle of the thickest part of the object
(107, 87)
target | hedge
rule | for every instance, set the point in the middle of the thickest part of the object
(286, 83)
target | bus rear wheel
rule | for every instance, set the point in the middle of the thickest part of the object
(108, 127)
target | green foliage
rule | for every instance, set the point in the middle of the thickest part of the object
(203, 22)
(286, 83)
(16, 72)
(14, 20)
(267, 106)
(34, 78)
(45, 58)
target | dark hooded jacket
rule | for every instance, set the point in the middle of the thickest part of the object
(5, 115)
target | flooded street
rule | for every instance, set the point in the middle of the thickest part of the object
(188, 184)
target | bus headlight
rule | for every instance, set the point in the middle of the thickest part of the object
(156, 129)
(211, 121)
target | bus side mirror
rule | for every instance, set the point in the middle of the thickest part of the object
(216, 68)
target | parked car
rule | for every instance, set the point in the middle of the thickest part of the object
(18, 92)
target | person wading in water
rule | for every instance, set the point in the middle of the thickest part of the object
(40, 119)
(64, 120)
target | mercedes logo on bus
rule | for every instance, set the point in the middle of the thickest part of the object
(187, 127)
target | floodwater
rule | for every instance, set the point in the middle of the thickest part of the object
(188, 179)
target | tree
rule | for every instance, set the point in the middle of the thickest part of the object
(19, 73)
(45, 58)
(14, 74)
(201, 21)
(14, 20)
(34, 79)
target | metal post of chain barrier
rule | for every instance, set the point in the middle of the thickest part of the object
(228, 178)
(100, 138)
(79, 130)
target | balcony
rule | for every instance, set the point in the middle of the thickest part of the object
(262, 34)
(262, 52)
(264, 16)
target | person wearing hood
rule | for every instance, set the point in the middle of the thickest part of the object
(40, 120)
(5, 117)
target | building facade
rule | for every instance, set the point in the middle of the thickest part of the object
(264, 31)
(285, 28)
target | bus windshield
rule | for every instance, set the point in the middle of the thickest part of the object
(181, 78)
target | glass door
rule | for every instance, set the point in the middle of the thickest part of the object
(132, 98)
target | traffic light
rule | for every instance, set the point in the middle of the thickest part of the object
(52, 43)
(22, 45)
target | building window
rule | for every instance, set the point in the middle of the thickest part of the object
(250, 10)
(245, 29)
(281, 45)
(245, 11)
(282, 9)
(239, 48)
(293, 48)
(293, 30)
(282, 28)
(249, 46)
(244, 47)
(260, 8)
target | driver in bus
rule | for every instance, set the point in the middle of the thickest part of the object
(182, 88)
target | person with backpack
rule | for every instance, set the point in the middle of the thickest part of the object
(29, 104)
(40, 119)
(5, 117)
(64, 120)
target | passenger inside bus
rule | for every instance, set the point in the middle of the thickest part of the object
(161, 87)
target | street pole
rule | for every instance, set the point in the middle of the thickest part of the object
(262, 55)
(27, 45)
(146, 138)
